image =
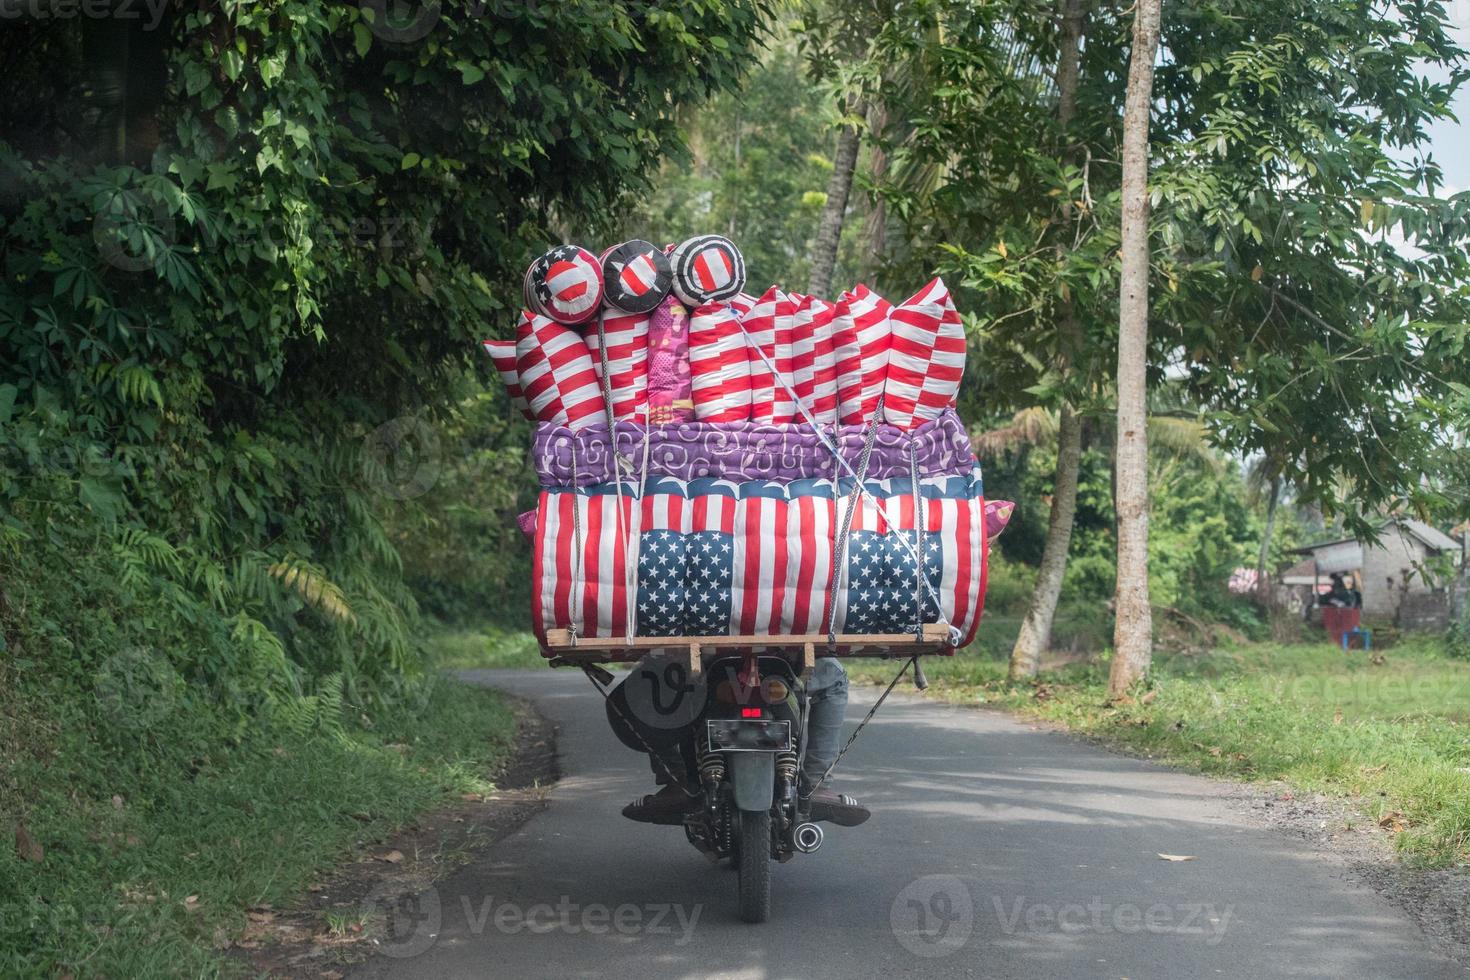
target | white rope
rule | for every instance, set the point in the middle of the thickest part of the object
(893, 525)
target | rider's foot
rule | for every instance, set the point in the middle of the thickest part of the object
(842, 810)
(667, 806)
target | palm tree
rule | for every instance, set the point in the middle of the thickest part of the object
(1133, 622)
(1175, 432)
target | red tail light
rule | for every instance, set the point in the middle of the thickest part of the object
(750, 712)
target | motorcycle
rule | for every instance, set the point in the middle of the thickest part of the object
(738, 730)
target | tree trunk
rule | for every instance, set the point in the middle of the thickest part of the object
(1035, 636)
(1263, 588)
(829, 231)
(1133, 629)
(875, 229)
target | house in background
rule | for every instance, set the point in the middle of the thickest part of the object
(1390, 573)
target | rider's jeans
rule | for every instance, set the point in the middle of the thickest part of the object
(828, 693)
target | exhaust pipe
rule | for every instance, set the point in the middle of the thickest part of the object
(807, 837)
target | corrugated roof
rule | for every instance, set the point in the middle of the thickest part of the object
(1431, 536)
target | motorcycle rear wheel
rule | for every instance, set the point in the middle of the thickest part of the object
(754, 856)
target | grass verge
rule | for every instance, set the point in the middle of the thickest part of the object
(140, 848)
(1390, 733)
(459, 648)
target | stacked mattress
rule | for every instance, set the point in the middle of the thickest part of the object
(715, 463)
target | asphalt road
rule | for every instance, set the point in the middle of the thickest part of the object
(994, 850)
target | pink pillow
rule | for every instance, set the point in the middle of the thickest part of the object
(627, 361)
(719, 365)
(670, 398)
(555, 371)
(861, 336)
(997, 516)
(927, 360)
(503, 356)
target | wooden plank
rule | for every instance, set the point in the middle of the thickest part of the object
(693, 661)
(808, 660)
(934, 635)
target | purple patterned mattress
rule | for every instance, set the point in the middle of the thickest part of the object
(743, 451)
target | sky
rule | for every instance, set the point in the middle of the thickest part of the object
(1450, 144)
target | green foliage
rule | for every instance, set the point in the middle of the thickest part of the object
(1289, 144)
(139, 809)
(760, 161)
(202, 351)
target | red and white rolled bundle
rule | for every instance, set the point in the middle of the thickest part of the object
(863, 340)
(554, 370)
(824, 363)
(626, 335)
(796, 361)
(742, 303)
(760, 331)
(503, 356)
(715, 557)
(927, 360)
(719, 365)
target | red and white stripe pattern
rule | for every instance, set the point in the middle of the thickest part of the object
(626, 335)
(707, 269)
(927, 360)
(586, 590)
(796, 361)
(503, 356)
(824, 363)
(781, 560)
(760, 330)
(719, 365)
(863, 340)
(565, 285)
(742, 303)
(555, 372)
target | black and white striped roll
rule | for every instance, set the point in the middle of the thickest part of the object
(636, 276)
(707, 269)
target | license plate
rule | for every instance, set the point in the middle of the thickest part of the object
(748, 735)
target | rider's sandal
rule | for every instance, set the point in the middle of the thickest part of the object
(842, 810)
(663, 808)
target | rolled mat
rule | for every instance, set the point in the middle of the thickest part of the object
(712, 557)
(565, 285)
(636, 276)
(748, 451)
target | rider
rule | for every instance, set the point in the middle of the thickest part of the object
(827, 703)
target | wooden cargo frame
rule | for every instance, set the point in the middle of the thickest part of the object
(568, 649)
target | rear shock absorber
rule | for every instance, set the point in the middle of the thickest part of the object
(711, 766)
(786, 767)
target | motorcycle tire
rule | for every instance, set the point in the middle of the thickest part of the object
(754, 855)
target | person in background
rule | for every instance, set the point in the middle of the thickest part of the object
(1339, 597)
